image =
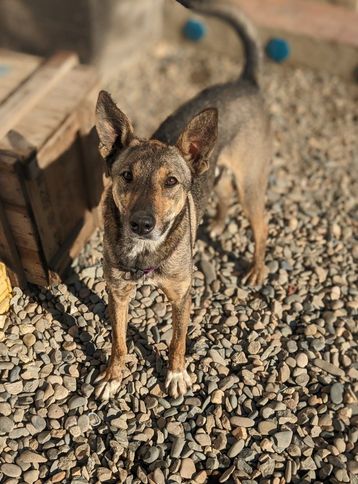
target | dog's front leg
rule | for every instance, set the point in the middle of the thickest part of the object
(109, 382)
(178, 292)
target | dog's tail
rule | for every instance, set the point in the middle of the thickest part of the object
(229, 13)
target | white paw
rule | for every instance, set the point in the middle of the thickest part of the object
(106, 389)
(177, 383)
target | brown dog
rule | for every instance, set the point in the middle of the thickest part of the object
(160, 188)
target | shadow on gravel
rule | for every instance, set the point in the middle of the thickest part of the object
(54, 302)
(242, 264)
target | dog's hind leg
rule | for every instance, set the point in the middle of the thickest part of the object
(252, 197)
(252, 192)
(224, 191)
(109, 382)
(178, 381)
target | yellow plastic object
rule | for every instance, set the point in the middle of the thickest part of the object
(5, 290)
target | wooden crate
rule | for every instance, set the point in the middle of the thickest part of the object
(50, 171)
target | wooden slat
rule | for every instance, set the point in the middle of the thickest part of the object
(33, 267)
(15, 68)
(57, 190)
(21, 226)
(39, 125)
(9, 253)
(35, 88)
(10, 187)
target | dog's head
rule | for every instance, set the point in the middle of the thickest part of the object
(150, 179)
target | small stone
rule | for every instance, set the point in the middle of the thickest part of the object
(283, 439)
(177, 447)
(217, 397)
(29, 457)
(76, 402)
(11, 470)
(6, 425)
(266, 426)
(284, 373)
(158, 476)
(187, 468)
(267, 468)
(55, 411)
(151, 455)
(31, 476)
(254, 347)
(220, 442)
(308, 464)
(302, 360)
(328, 367)
(29, 340)
(336, 393)
(242, 422)
(39, 423)
(104, 474)
(203, 439)
(14, 388)
(160, 309)
(235, 449)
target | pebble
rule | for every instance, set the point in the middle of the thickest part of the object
(328, 367)
(29, 457)
(11, 470)
(6, 425)
(283, 439)
(336, 393)
(187, 468)
(236, 448)
(242, 421)
(302, 360)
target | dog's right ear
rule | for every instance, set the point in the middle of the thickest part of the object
(113, 127)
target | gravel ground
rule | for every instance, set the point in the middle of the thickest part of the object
(275, 372)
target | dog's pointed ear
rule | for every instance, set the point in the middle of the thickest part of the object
(113, 126)
(197, 141)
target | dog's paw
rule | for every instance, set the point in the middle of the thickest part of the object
(255, 276)
(177, 383)
(107, 384)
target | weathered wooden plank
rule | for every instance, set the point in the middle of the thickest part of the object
(10, 188)
(15, 68)
(56, 187)
(33, 267)
(21, 226)
(35, 88)
(39, 125)
(9, 253)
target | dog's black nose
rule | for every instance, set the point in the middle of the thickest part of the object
(142, 223)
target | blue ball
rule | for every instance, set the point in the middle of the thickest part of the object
(194, 30)
(278, 49)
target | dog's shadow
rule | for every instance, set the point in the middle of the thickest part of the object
(60, 306)
(241, 264)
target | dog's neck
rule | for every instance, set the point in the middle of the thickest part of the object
(139, 257)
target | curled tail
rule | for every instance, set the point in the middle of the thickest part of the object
(230, 14)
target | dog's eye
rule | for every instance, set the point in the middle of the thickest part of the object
(127, 175)
(171, 181)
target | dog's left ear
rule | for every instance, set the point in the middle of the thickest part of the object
(113, 126)
(197, 141)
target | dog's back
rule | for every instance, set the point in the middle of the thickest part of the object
(243, 125)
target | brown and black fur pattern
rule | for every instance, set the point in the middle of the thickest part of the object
(160, 188)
